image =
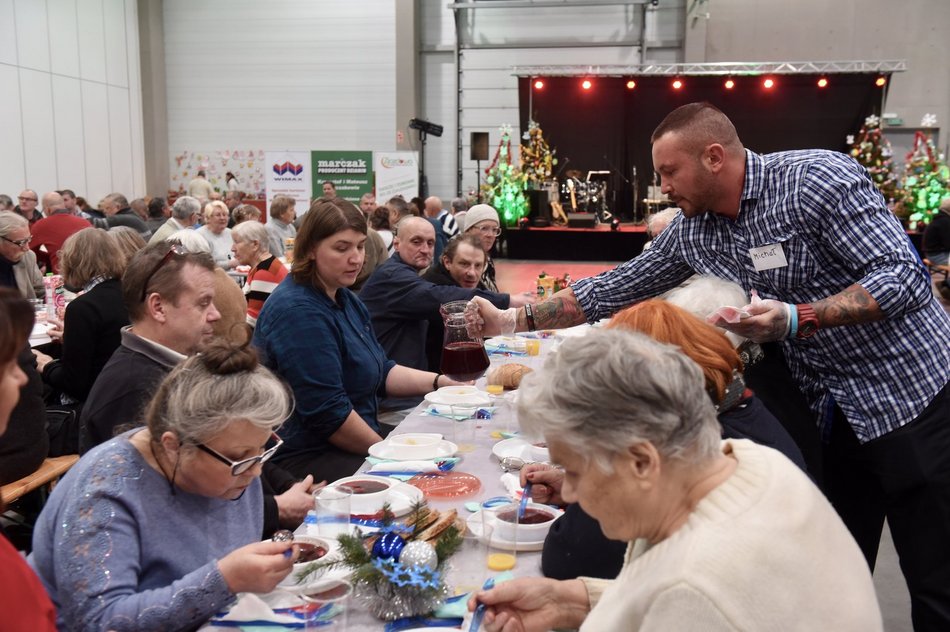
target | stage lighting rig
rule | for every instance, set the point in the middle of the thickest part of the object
(425, 127)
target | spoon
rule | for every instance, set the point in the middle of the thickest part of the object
(525, 497)
(512, 464)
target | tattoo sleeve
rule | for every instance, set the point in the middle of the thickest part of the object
(850, 306)
(561, 310)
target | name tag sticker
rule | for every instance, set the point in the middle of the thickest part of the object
(768, 257)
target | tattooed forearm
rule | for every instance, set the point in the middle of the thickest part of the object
(561, 310)
(850, 306)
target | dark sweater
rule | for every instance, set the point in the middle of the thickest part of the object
(937, 235)
(25, 443)
(91, 333)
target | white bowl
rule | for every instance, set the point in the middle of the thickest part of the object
(305, 542)
(364, 502)
(539, 452)
(505, 525)
(416, 445)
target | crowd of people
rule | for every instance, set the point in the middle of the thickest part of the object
(221, 369)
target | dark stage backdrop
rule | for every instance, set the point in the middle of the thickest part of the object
(608, 127)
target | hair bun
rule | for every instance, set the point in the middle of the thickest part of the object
(223, 357)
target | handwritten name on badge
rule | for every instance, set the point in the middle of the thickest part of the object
(768, 257)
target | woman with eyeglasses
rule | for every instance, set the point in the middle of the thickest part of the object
(159, 528)
(18, 267)
(482, 221)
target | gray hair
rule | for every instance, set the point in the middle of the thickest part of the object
(702, 295)
(10, 221)
(191, 240)
(6, 202)
(612, 389)
(207, 392)
(251, 231)
(658, 221)
(459, 205)
(185, 207)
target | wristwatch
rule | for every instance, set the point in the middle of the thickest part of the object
(807, 321)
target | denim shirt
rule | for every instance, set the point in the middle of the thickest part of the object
(327, 352)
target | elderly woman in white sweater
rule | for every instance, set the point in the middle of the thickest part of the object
(723, 535)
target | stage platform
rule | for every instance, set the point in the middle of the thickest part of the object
(577, 244)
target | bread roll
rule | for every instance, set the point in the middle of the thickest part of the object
(508, 375)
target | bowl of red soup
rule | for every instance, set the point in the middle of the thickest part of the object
(531, 527)
(369, 493)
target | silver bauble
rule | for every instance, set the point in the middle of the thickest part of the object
(418, 553)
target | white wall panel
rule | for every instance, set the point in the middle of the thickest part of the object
(95, 117)
(63, 37)
(92, 46)
(120, 140)
(32, 37)
(113, 18)
(12, 169)
(39, 140)
(67, 116)
(7, 33)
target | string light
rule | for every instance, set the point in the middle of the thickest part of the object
(880, 81)
(822, 83)
(677, 84)
(730, 84)
(586, 84)
(631, 84)
(768, 84)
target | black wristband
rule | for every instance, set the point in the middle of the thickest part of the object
(529, 317)
(435, 382)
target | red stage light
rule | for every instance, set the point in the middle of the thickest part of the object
(586, 84)
(538, 84)
(631, 84)
(822, 83)
(768, 84)
(730, 84)
(880, 81)
(677, 84)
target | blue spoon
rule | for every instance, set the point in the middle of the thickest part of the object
(525, 497)
(480, 609)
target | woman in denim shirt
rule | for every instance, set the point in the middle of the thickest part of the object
(316, 334)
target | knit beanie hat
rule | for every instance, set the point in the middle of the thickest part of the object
(479, 213)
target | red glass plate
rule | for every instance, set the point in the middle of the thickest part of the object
(448, 485)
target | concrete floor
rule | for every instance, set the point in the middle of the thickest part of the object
(519, 276)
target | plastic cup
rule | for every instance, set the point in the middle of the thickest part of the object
(463, 427)
(468, 565)
(332, 508)
(532, 347)
(495, 389)
(329, 609)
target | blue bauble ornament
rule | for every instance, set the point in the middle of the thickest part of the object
(389, 546)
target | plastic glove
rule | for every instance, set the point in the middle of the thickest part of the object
(483, 319)
(768, 320)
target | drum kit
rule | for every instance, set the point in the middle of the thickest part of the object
(590, 196)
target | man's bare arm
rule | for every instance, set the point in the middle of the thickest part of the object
(850, 306)
(559, 311)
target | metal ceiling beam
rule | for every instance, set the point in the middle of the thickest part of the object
(716, 68)
(542, 4)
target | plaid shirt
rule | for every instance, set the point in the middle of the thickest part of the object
(835, 231)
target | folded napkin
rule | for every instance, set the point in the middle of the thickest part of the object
(458, 606)
(511, 481)
(251, 611)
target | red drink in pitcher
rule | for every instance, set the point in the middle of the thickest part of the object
(464, 361)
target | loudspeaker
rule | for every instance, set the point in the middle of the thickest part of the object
(479, 146)
(581, 220)
(539, 210)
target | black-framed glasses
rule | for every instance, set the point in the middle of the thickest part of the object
(239, 467)
(27, 199)
(19, 243)
(176, 249)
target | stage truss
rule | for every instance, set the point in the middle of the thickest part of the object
(716, 68)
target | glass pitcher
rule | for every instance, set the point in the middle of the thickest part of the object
(463, 356)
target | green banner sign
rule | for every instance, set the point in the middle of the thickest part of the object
(351, 172)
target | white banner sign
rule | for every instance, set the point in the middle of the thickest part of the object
(397, 173)
(288, 173)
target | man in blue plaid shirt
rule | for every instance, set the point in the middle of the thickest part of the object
(847, 295)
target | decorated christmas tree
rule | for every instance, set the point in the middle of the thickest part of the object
(537, 158)
(926, 181)
(873, 151)
(504, 183)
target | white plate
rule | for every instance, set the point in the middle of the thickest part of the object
(401, 496)
(475, 526)
(458, 396)
(513, 447)
(387, 451)
(573, 332)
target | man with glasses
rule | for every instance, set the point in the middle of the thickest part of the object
(482, 220)
(18, 267)
(28, 201)
(169, 293)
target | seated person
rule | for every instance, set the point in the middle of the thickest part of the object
(92, 262)
(482, 221)
(936, 239)
(165, 521)
(251, 249)
(280, 228)
(18, 267)
(128, 240)
(711, 525)
(217, 234)
(316, 334)
(26, 604)
(575, 544)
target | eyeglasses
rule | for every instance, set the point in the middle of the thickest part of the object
(19, 243)
(488, 229)
(27, 199)
(176, 249)
(239, 467)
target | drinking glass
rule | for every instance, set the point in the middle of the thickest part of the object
(469, 564)
(463, 427)
(502, 544)
(330, 608)
(332, 506)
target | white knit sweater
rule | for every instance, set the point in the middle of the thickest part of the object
(764, 551)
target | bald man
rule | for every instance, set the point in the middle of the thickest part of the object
(51, 232)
